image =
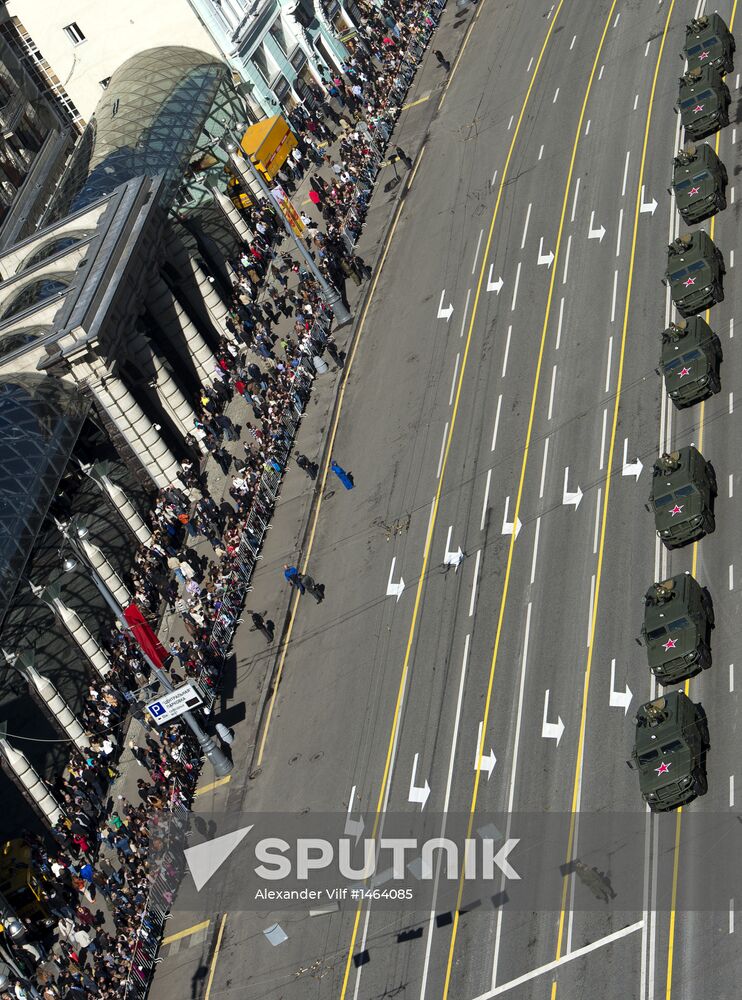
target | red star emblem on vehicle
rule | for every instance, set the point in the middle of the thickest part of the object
(683, 371)
(663, 768)
(704, 55)
(677, 510)
(689, 281)
(670, 644)
(694, 191)
(698, 107)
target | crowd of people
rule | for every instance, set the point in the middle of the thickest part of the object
(96, 872)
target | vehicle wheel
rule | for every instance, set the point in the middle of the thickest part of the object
(700, 783)
(709, 609)
(724, 176)
(711, 525)
(721, 203)
(714, 384)
(711, 473)
(723, 119)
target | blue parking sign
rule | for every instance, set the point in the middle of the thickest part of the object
(156, 709)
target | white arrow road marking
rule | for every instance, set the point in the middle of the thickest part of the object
(544, 258)
(567, 497)
(630, 468)
(507, 526)
(444, 313)
(452, 558)
(595, 234)
(353, 827)
(494, 286)
(647, 206)
(551, 730)
(394, 589)
(484, 762)
(619, 699)
(418, 794)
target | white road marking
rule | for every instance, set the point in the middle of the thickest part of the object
(443, 447)
(453, 380)
(541, 151)
(737, 82)
(731, 329)
(494, 178)
(602, 438)
(486, 499)
(497, 422)
(559, 324)
(731, 485)
(731, 194)
(613, 300)
(507, 351)
(731, 402)
(574, 200)
(731, 678)
(590, 615)
(618, 238)
(587, 127)
(731, 258)
(646, 50)
(543, 469)
(731, 916)
(550, 966)
(636, 101)
(608, 365)
(511, 792)
(572, 43)
(556, 95)
(625, 173)
(510, 123)
(618, 18)
(525, 225)
(734, 135)
(566, 259)
(530, 63)
(597, 520)
(600, 74)
(731, 791)
(551, 394)
(476, 255)
(535, 550)
(473, 600)
(446, 801)
(466, 310)
(731, 576)
(515, 290)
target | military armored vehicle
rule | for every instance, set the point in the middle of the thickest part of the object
(682, 497)
(690, 361)
(678, 618)
(709, 42)
(699, 182)
(670, 751)
(703, 102)
(695, 273)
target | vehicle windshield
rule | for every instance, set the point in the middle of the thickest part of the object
(677, 275)
(692, 356)
(672, 747)
(656, 633)
(682, 185)
(648, 756)
(678, 624)
(696, 266)
(663, 501)
(685, 491)
(702, 176)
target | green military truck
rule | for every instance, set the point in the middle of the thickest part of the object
(699, 182)
(670, 751)
(703, 102)
(695, 273)
(690, 361)
(682, 496)
(678, 618)
(709, 42)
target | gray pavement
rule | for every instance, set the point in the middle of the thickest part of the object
(460, 425)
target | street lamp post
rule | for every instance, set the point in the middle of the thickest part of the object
(247, 171)
(219, 761)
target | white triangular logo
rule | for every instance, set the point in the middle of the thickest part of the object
(205, 859)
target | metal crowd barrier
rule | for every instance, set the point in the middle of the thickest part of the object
(170, 865)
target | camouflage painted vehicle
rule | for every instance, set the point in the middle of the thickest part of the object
(695, 273)
(703, 102)
(709, 42)
(678, 618)
(699, 182)
(682, 496)
(690, 361)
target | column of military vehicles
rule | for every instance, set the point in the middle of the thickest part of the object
(671, 736)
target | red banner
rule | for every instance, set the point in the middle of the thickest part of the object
(144, 635)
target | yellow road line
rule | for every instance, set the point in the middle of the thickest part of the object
(215, 957)
(524, 463)
(412, 104)
(213, 784)
(187, 932)
(608, 482)
(419, 161)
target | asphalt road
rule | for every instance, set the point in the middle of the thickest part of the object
(520, 406)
